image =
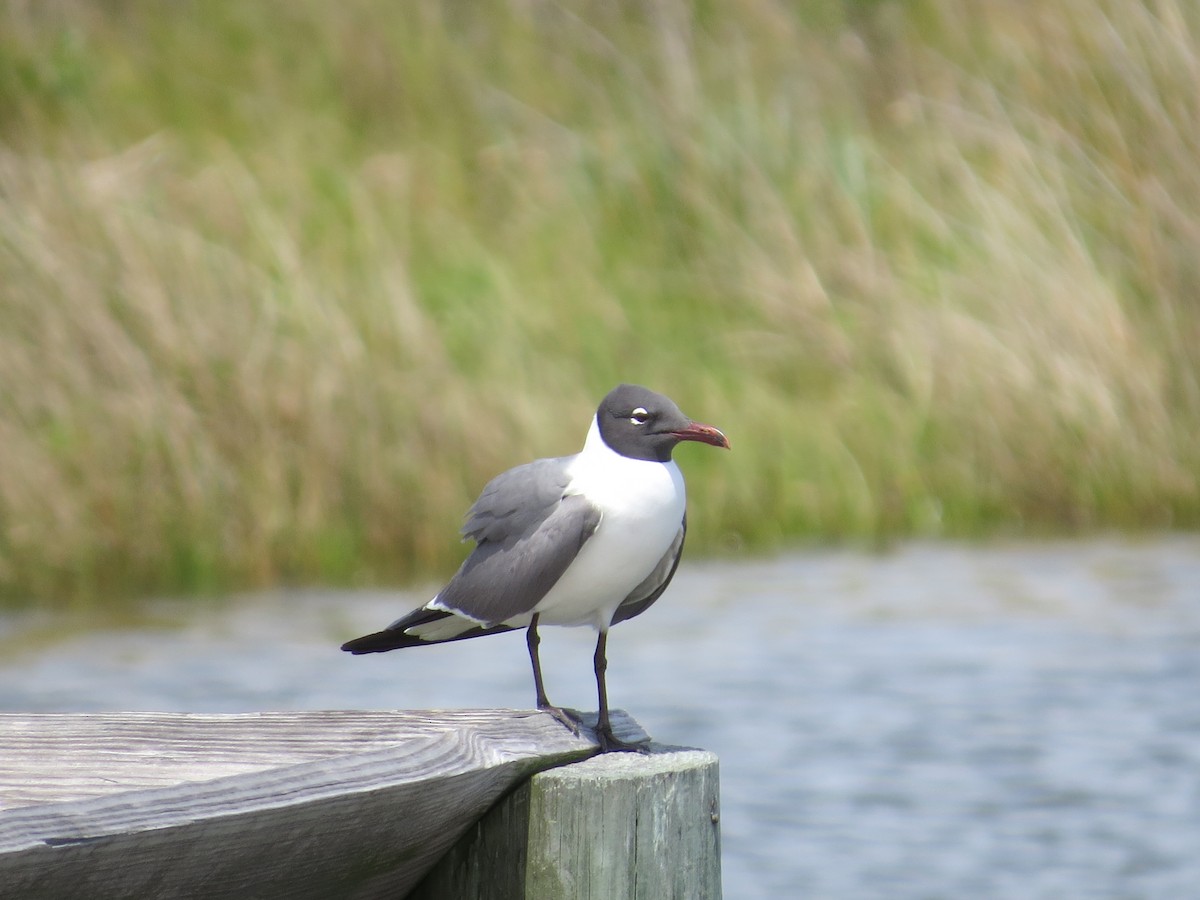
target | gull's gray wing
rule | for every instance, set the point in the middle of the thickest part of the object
(656, 582)
(527, 532)
(516, 502)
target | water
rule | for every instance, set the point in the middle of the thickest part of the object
(938, 722)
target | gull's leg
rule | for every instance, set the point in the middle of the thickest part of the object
(604, 732)
(543, 702)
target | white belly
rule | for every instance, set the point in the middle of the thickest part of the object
(642, 505)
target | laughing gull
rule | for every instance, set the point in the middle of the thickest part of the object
(590, 539)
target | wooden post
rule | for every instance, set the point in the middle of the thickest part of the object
(623, 826)
(349, 804)
(268, 805)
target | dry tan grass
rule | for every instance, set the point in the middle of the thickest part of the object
(276, 315)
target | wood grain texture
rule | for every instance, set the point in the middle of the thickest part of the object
(615, 827)
(309, 804)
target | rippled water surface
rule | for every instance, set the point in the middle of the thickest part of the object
(938, 722)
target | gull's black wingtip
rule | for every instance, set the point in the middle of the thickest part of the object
(379, 642)
(396, 636)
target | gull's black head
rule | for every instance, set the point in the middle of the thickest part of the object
(636, 422)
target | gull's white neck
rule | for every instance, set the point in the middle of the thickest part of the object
(594, 444)
(601, 473)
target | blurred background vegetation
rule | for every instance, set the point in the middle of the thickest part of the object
(282, 285)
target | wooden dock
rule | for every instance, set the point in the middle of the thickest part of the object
(432, 804)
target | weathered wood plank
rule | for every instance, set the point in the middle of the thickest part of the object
(615, 827)
(348, 804)
(72, 756)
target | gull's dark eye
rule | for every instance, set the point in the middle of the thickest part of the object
(639, 416)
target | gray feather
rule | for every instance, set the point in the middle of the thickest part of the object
(516, 502)
(651, 588)
(520, 556)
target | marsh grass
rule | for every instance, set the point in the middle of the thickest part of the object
(282, 285)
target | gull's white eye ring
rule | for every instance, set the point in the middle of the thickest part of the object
(639, 416)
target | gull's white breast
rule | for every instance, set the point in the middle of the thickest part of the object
(641, 505)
